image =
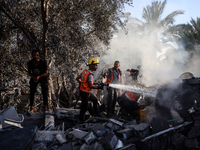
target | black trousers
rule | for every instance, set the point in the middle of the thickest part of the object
(44, 86)
(85, 97)
(112, 98)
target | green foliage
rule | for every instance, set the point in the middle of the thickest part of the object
(67, 32)
(189, 34)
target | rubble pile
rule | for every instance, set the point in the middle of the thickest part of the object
(98, 133)
(172, 122)
(60, 131)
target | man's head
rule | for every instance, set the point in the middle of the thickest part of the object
(116, 64)
(93, 63)
(36, 55)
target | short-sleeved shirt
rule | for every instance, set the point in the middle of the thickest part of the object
(115, 76)
(37, 70)
(90, 77)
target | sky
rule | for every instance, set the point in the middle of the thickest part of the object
(190, 8)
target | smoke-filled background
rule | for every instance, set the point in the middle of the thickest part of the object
(160, 56)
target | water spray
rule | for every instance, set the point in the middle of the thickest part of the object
(146, 91)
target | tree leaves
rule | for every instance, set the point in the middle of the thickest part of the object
(67, 32)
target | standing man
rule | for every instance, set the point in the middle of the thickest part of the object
(38, 71)
(113, 76)
(86, 80)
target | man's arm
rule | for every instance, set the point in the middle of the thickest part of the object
(108, 73)
(79, 78)
(29, 71)
(43, 75)
(92, 86)
(30, 74)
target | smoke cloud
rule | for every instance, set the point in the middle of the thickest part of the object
(161, 58)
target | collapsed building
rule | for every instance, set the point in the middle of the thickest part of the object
(171, 122)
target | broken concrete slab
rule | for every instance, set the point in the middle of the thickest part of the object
(78, 134)
(89, 138)
(109, 141)
(46, 136)
(125, 134)
(99, 130)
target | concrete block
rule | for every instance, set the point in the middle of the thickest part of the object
(78, 134)
(49, 121)
(113, 126)
(140, 130)
(119, 144)
(125, 133)
(46, 136)
(61, 138)
(117, 122)
(109, 141)
(85, 147)
(97, 146)
(89, 138)
(99, 130)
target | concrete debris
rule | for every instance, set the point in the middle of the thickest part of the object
(9, 117)
(89, 138)
(46, 136)
(119, 144)
(78, 134)
(61, 131)
(61, 138)
(109, 141)
(49, 121)
(99, 130)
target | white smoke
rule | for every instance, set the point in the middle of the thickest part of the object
(160, 61)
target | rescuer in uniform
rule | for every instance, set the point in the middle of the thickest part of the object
(87, 84)
(113, 76)
(132, 103)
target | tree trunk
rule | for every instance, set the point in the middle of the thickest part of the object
(44, 11)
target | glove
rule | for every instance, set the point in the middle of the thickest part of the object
(100, 86)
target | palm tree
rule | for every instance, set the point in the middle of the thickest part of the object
(154, 27)
(192, 34)
(188, 34)
(152, 16)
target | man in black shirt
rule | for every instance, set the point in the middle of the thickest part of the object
(38, 71)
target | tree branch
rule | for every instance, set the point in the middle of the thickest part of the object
(18, 25)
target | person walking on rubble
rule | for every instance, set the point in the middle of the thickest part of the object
(87, 84)
(113, 76)
(37, 69)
